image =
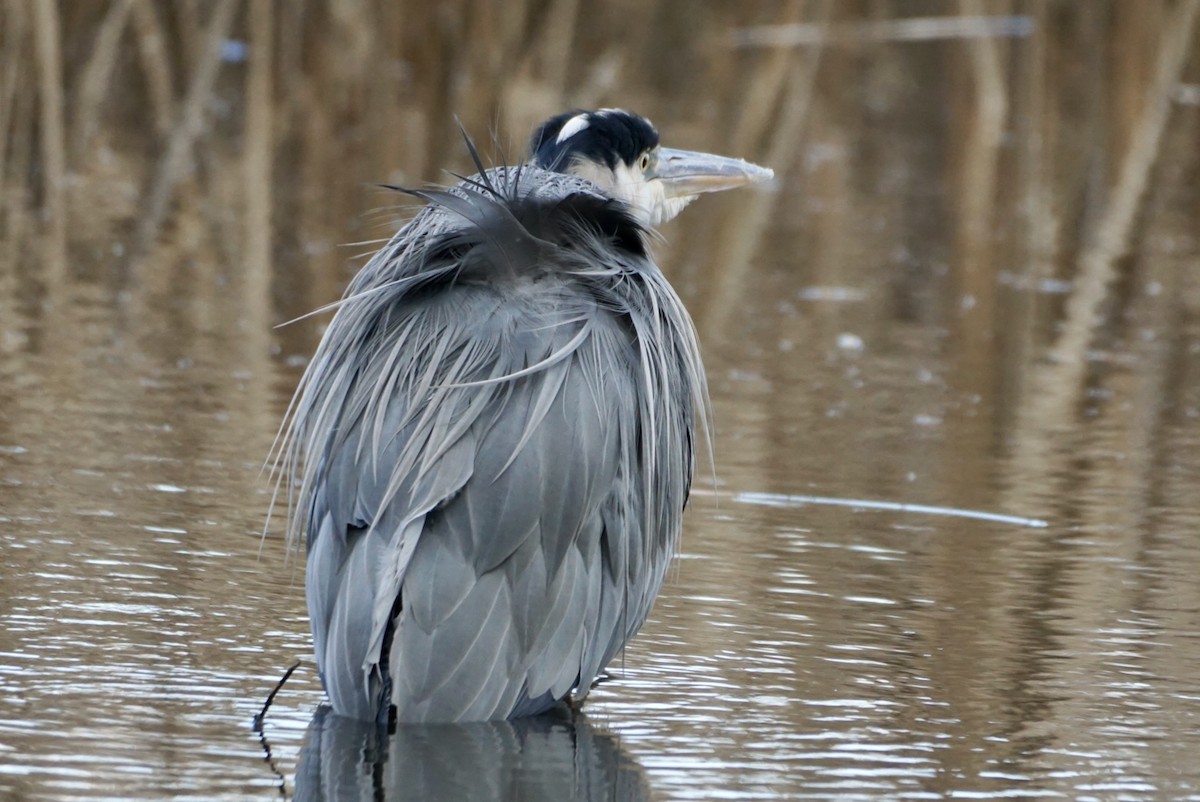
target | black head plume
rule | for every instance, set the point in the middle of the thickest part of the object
(605, 137)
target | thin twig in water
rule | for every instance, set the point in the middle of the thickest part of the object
(262, 714)
(268, 756)
(785, 500)
(910, 29)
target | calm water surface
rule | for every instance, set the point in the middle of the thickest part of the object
(929, 562)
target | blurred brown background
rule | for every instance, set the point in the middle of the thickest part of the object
(955, 159)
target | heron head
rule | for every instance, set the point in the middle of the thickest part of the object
(620, 153)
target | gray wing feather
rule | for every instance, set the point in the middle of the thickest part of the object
(533, 517)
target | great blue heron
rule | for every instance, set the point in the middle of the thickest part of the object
(494, 439)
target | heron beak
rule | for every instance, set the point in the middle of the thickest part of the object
(686, 173)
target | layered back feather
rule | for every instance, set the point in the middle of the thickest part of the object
(493, 446)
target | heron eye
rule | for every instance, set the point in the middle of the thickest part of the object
(644, 162)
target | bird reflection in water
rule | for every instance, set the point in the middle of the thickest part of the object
(556, 756)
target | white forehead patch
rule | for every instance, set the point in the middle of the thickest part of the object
(572, 127)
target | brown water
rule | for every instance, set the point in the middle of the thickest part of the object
(951, 544)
